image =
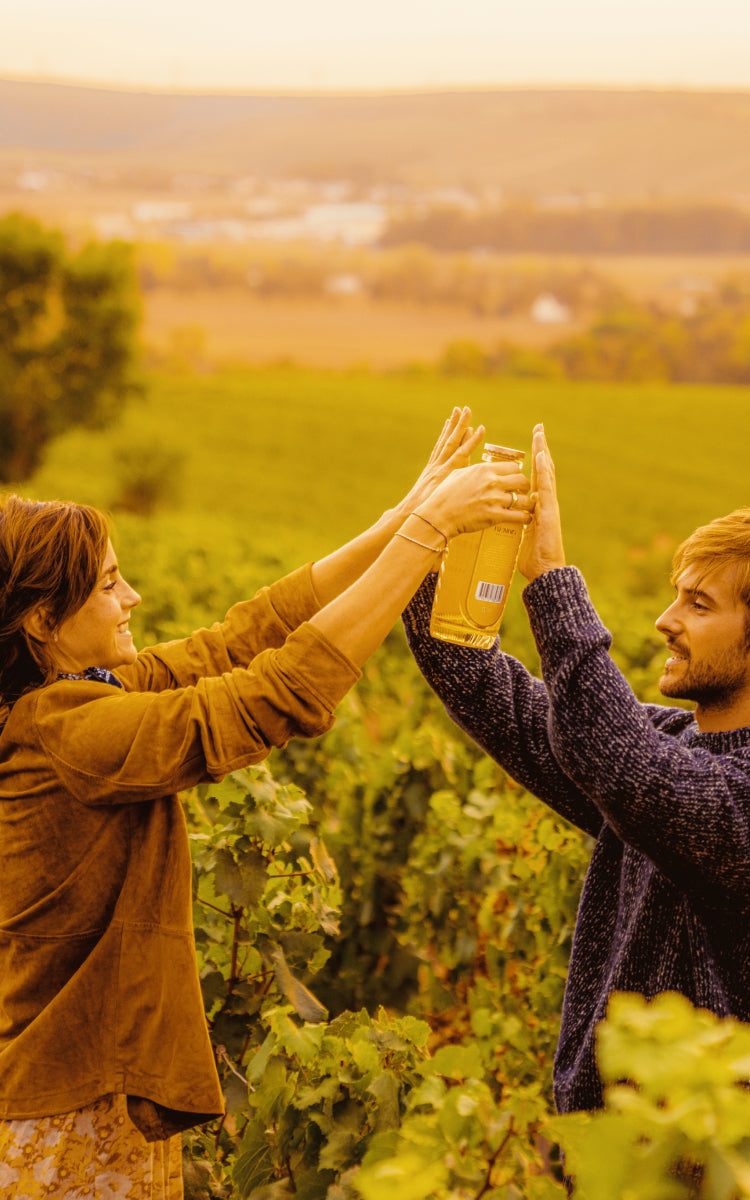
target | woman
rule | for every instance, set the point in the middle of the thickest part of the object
(104, 1050)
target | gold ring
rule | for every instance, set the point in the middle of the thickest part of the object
(514, 500)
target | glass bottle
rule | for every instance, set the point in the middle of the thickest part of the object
(475, 575)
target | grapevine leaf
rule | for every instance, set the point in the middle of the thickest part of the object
(254, 1166)
(227, 878)
(243, 882)
(213, 988)
(386, 1091)
(313, 1184)
(322, 860)
(455, 1062)
(280, 1189)
(260, 1059)
(339, 1149)
(303, 1001)
(328, 1088)
(254, 872)
(300, 946)
(235, 1094)
(408, 1176)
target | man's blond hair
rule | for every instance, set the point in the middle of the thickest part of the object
(719, 544)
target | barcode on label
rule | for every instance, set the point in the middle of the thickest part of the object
(489, 591)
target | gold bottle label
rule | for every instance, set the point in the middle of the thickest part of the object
(493, 570)
(475, 576)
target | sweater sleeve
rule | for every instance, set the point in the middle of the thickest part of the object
(682, 800)
(501, 706)
(249, 627)
(111, 746)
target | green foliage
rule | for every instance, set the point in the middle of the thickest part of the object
(149, 475)
(67, 339)
(456, 1141)
(676, 1119)
(496, 920)
(370, 781)
(260, 912)
(310, 1100)
(247, 873)
(628, 342)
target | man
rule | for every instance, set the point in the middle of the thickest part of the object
(665, 791)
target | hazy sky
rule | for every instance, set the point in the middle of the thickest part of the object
(348, 44)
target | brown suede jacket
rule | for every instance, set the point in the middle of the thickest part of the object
(99, 986)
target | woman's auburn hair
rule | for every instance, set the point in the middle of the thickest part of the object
(51, 555)
(721, 543)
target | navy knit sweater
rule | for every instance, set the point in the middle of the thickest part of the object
(666, 901)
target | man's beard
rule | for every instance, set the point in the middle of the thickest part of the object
(711, 685)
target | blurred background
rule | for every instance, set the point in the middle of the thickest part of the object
(331, 225)
(335, 188)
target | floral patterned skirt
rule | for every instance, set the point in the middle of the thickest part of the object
(94, 1153)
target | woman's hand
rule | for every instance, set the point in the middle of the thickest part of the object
(450, 501)
(477, 497)
(542, 545)
(472, 498)
(453, 449)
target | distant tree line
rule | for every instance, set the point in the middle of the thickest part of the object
(524, 228)
(483, 284)
(632, 342)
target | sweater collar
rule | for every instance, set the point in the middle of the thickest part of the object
(721, 742)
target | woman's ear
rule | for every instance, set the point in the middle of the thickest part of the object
(38, 626)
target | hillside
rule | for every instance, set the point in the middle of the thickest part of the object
(617, 144)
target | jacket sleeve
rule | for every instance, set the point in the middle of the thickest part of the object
(249, 627)
(684, 801)
(502, 707)
(110, 746)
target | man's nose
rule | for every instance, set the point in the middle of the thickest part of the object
(668, 621)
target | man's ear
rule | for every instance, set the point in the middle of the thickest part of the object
(37, 625)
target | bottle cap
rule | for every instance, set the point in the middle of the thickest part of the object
(503, 453)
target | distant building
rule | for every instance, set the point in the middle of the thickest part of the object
(548, 310)
(151, 212)
(448, 197)
(346, 283)
(37, 181)
(354, 224)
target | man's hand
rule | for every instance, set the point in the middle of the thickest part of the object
(542, 545)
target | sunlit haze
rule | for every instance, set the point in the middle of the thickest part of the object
(337, 45)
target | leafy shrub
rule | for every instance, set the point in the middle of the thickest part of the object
(67, 339)
(148, 475)
(676, 1120)
(443, 917)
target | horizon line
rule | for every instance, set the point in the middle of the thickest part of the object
(324, 91)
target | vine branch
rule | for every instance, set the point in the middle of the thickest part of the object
(487, 1185)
